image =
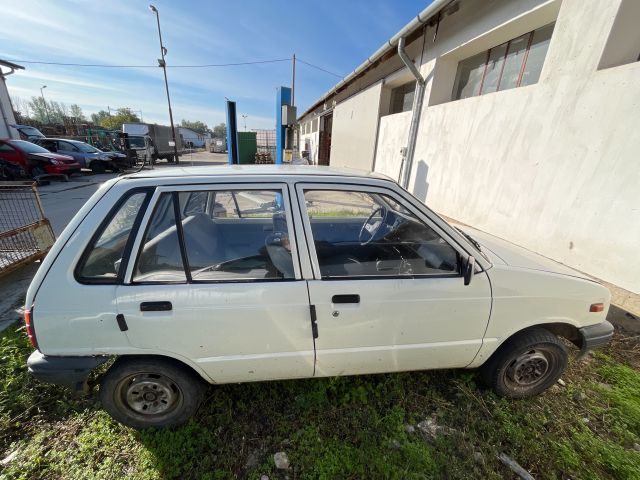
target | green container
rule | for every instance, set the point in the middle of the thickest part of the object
(247, 147)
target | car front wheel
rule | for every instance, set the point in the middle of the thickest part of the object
(151, 392)
(526, 365)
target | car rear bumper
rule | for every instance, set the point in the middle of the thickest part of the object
(63, 169)
(70, 372)
(595, 336)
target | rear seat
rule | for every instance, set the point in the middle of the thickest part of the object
(201, 240)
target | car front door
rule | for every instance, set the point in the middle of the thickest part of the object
(66, 148)
(388, 294)
(216, 281)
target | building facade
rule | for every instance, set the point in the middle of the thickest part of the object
(192, 138)
(529, 127)
(6, 109)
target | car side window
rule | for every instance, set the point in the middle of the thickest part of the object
(160, 258)
(5, 147)
(102, 260)
(209, 242)
(361, 234)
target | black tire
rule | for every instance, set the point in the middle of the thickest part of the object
(526, 364)
(37, 171)
(97, 166)
(151, 392)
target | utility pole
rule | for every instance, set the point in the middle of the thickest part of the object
(46, 109)
(244, 117)
(293, 80)
(163, 64)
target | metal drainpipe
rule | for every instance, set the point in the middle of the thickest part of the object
(407, 161)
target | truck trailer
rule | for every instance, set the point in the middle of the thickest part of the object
(160, 139)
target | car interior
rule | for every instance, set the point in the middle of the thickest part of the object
(239, 236)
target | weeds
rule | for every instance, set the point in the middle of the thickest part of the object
(348, 427)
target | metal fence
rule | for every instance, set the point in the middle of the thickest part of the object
(266, 144)
(25, 234)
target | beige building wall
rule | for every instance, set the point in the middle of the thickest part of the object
(355, 122)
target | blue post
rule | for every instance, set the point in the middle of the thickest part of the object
(283, 98)
(232, 133)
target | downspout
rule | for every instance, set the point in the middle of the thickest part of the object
(407, 159)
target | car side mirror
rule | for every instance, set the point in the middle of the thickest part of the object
(469, 269)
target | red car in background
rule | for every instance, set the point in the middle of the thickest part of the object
(35, 160)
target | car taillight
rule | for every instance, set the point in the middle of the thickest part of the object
(596, 307)
(31, 333)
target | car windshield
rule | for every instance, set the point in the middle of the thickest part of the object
(136, 142)
(85, 147)
(30, 132)
(28, 147)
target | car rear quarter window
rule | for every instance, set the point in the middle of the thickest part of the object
(104, 259)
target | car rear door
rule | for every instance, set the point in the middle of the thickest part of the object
(215, 280)
(388, 294)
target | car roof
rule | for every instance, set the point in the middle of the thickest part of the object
(235, 170)
(63, 139)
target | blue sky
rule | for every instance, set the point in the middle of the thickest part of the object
(334, 34)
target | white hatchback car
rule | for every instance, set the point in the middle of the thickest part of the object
(236, 274)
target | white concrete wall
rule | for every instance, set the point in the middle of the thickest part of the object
(6, 113)
(553, 166)
(353, 136)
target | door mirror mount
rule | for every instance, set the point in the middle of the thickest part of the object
(469, 269)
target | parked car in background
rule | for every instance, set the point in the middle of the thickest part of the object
(27, 132)
(88, 156)
(225, 275)
(35, 160)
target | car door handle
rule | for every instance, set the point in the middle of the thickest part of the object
(345, 299)
(155, 306)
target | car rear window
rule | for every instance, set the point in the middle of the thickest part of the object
(103, 260)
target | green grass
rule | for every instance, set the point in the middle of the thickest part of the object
(333, 428)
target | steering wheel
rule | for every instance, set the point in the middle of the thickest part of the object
(371, 229)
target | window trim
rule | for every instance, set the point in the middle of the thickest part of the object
(399, 197)
(126, 253)
(283, 188)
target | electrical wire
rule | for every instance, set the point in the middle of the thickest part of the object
(319, 68)
(102, 65)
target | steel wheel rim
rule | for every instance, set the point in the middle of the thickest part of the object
(529, 368)
(150, 394)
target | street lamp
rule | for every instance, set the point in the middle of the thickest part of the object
(244, 117)
(44, 103)
(162, 63)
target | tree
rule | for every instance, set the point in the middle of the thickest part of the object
(97, 118)
(40, 109)
(196, 125)
(220, 130)
(21, 106)
(76, 112)
(115, 121)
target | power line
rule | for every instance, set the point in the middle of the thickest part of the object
(319, 68)
(102, 65)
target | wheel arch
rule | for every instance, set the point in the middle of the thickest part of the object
(198, 372)
(561, 329)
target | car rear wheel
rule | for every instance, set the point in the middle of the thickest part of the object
(97, 166)
(526, 365)
(151, 392)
